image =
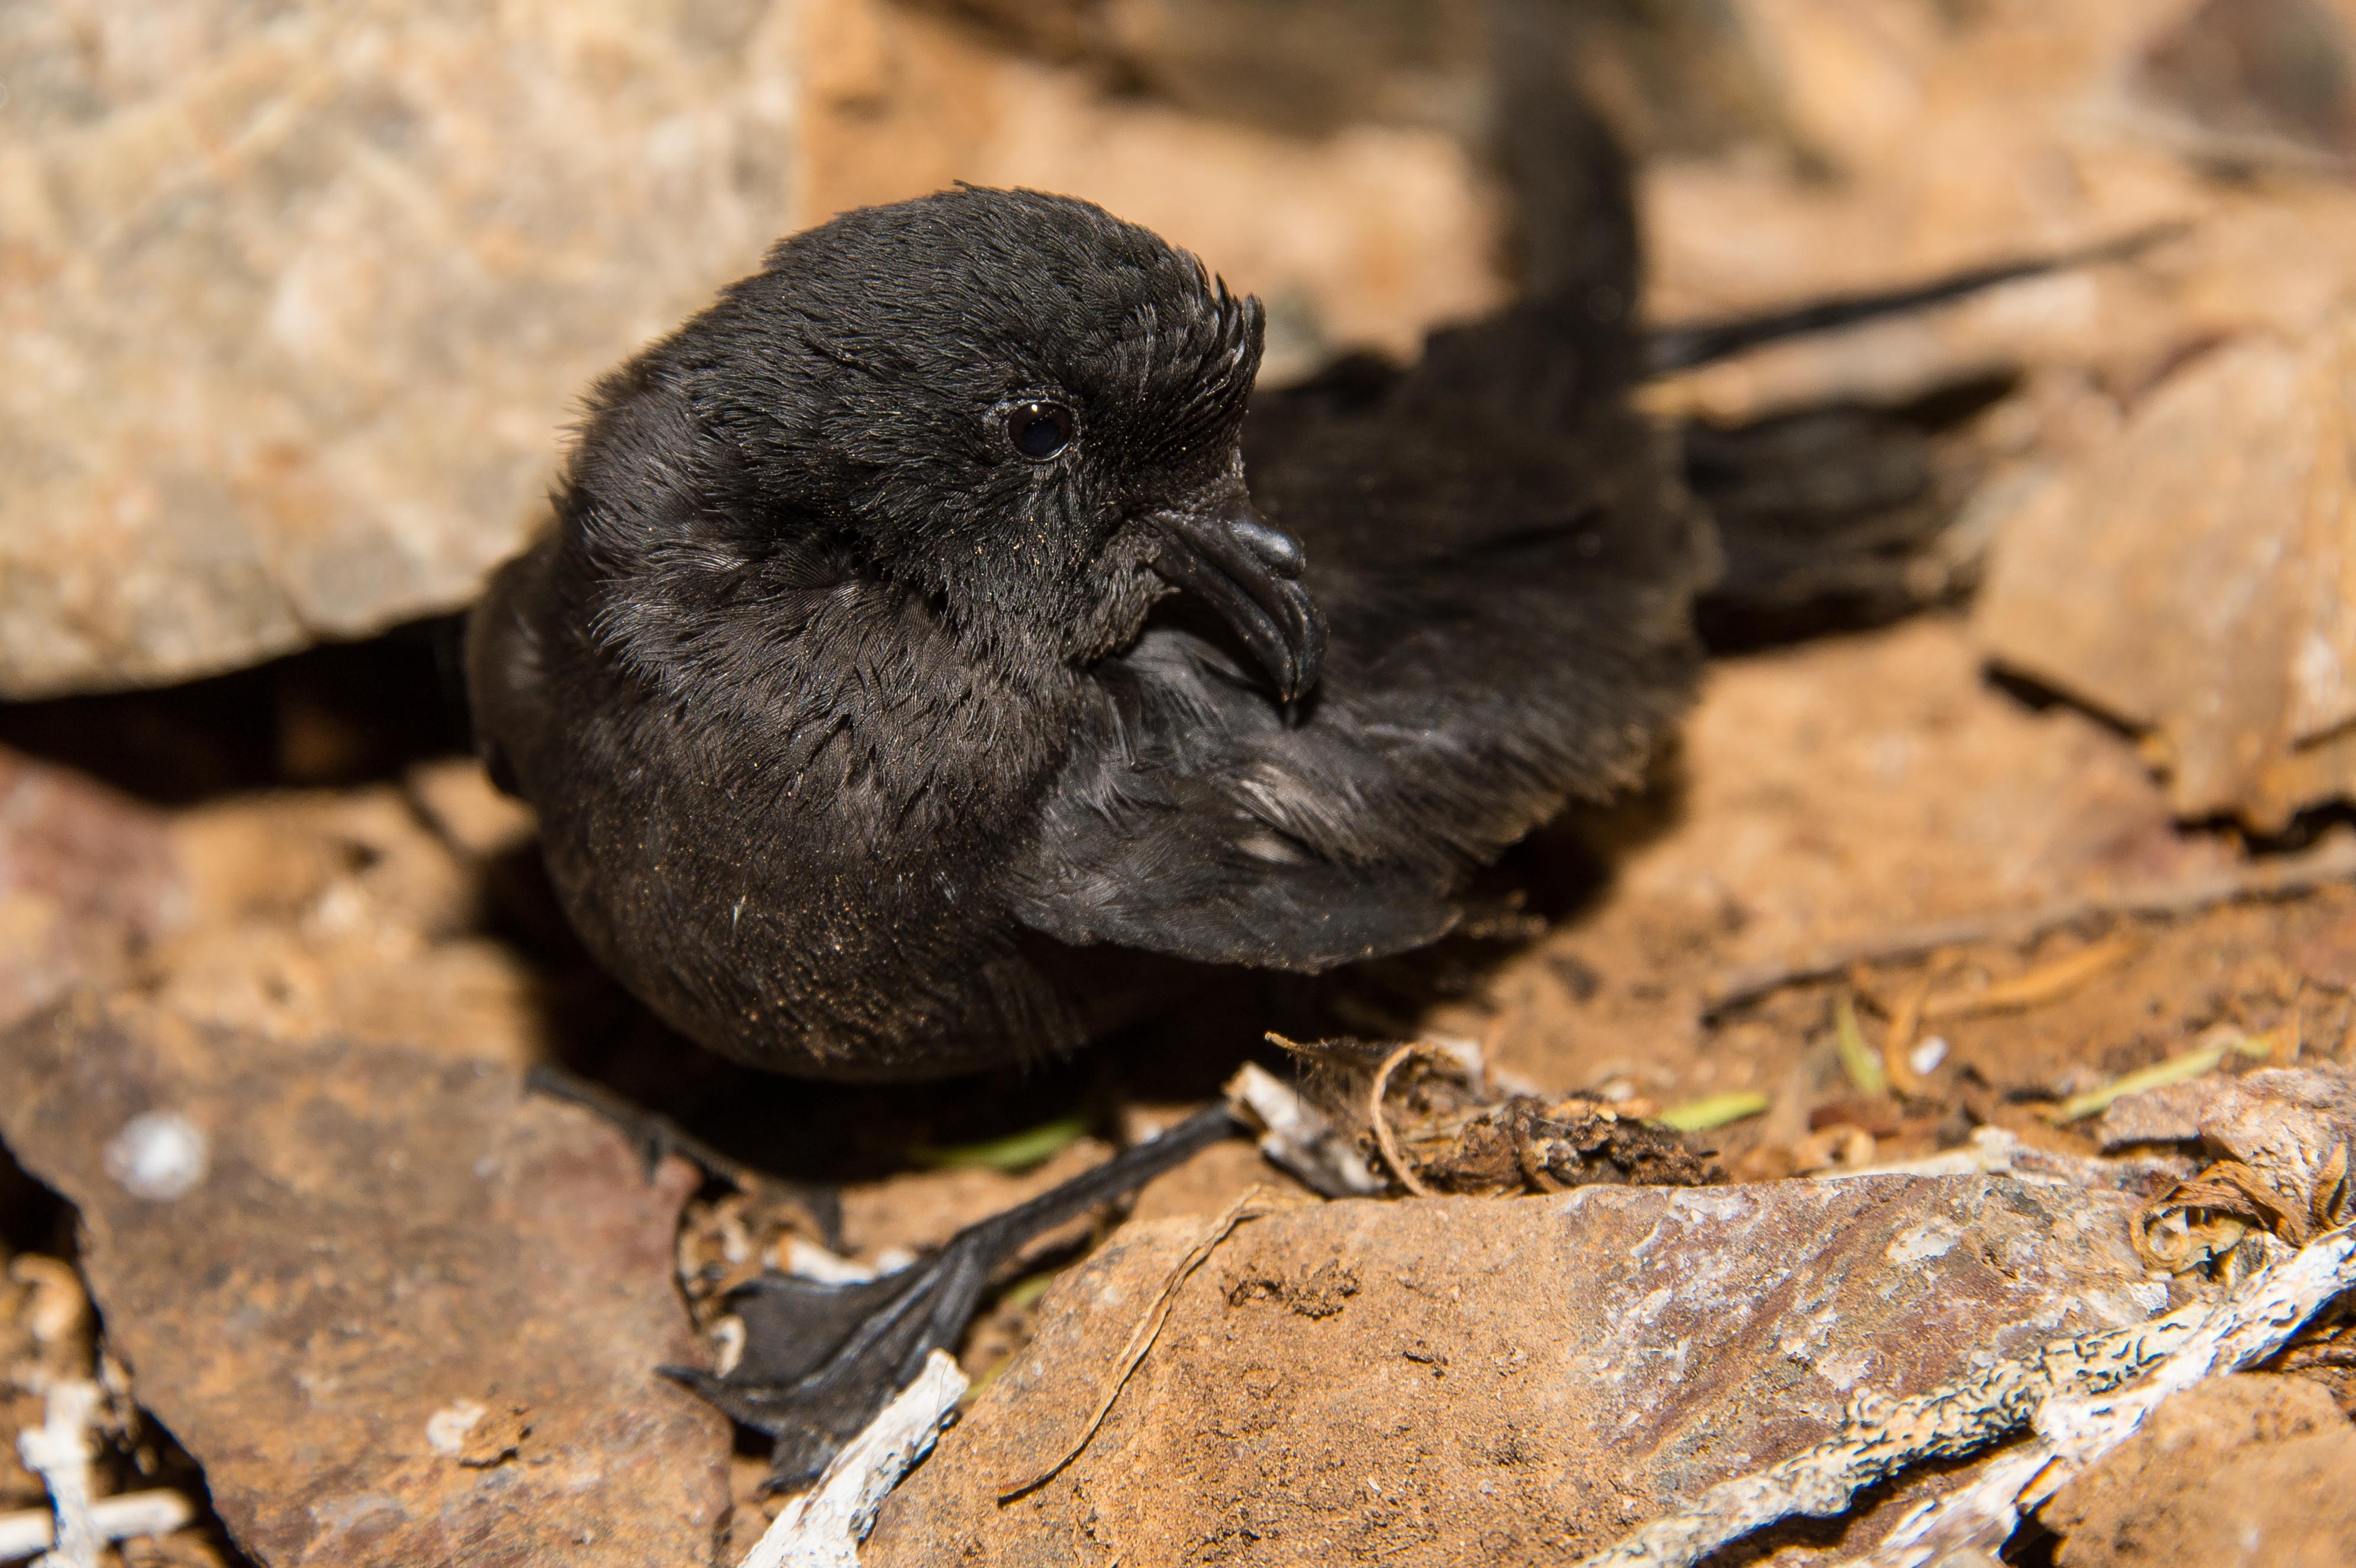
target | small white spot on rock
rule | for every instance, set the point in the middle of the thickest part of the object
(1925, 1058)
(1843, 1369)
(1931, 1239)
(446, 1428)
(159, 1154)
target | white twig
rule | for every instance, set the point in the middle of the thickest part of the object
(2250, 1324)
(1299, 1137)
(121, 1518)
(59, 1451)
(823, 1526)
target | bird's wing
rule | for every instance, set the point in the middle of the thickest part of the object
(1167, 831)
(1510, 629)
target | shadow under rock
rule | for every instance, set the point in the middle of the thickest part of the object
(344, 713)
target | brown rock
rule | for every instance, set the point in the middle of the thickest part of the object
(1494, 1380)
(2257, 82)
(1967, 135)
(2250, 1470)
(2170, 1114)
(2197, 577)
(296, 306)
(400, 1312)
(88, 877)
(2293, 1126)
(2286, 1122)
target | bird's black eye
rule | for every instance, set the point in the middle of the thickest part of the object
(1039, 430)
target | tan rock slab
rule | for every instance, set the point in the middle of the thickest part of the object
(294, 306)
(2196, 577)
(2249, 1470)
(88, 877)
(1504, 1380)
(400, 1312)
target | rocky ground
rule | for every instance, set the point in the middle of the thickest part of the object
(1962, 983)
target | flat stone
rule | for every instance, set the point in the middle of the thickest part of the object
(296, 300)
(2295, 1126)
(2247, 1470)
(2196, 577)
(400, 1312)
(88, 877)
(1458, 1380)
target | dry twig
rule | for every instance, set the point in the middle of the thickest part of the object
(1298, 1136)
(2200, 1059)
(59, 1451)
(124, 1516)
(1385, 1139)
(2081, 1427)
(2045, 983)
(1898, 1042)
(1250, 1206)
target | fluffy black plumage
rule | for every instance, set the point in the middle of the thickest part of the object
(848, 719)
(852, 723)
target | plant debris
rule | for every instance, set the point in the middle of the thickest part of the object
(1440, 1125)
(2175, 1070)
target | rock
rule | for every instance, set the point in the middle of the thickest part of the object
(1494, 1380)
(1958, 135)
(296, 309)
(2244, 1470)
(2294, 1127)
(2257, 82)
(2196, 577)
(2285, 1123)
(2167, 1114)
(296, 306)
(400, 1312)
(456, 796)
(88, 877)
(341, 913)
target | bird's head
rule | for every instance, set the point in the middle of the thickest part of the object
(1022, 409)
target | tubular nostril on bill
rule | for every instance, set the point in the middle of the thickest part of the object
(1277, 549)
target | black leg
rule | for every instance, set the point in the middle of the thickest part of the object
(820, 1360)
